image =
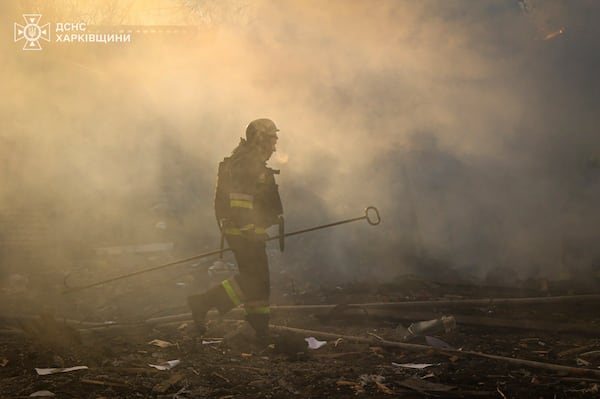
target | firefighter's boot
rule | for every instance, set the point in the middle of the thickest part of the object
(215, 297)
(260, 323)
(200, 307)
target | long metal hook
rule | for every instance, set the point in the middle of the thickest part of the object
(372, 221)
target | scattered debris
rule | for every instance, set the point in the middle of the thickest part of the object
(48, 371)
(47, 331)
(377, 380)
(418, 366)
(160, 343)
(375, 335)
(165, 366)
(591, 354)
(359, 363)
(182, 392)
(443, 324)
(211, 342)
(424, 386)
(103, 383)
(164, 386)
(314, 343)
(214, 373)
(421, 348)
(437, 343)
(287, 386)
(581, 362)
(183, 326)
(593, 389)
(383, 388)
(42, 394)
(576, 350)
(358, 388)
(365, 379)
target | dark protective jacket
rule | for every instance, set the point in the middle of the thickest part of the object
(246, 196)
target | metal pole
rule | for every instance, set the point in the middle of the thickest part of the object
(371, 219)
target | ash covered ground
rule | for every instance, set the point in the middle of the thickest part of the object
(553, 325)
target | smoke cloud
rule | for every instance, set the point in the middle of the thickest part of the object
(472, 126)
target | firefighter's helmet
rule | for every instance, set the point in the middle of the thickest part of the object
(259, 129)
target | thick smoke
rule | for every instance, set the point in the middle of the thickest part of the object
(471, 125)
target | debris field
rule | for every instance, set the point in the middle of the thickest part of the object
(393, 345)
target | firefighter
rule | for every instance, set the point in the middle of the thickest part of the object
(246, 203)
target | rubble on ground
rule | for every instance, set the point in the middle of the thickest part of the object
(472, 346)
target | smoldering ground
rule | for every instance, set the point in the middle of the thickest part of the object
(471, 125)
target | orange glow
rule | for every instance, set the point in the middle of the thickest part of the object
(554, 34)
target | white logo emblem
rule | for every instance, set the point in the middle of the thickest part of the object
(32, 32)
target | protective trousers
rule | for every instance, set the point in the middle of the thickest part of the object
(250, 287)
(253, 278)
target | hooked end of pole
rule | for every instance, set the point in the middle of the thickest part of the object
(372, 215)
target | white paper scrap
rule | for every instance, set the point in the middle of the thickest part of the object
(418, 366)
(210, 342)
(59, 370)
(160, 343)
(165, 366)
(314, 343)
(42, 394)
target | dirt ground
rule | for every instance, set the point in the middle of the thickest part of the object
(228, 362)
